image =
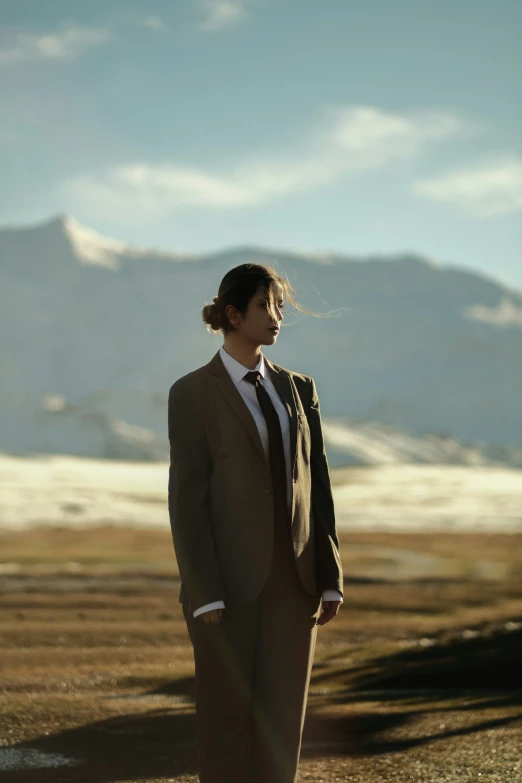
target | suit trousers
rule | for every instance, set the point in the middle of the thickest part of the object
(252, 674)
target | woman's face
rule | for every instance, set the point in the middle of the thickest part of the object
(256, 325)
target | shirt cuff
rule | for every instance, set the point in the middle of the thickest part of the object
(209, 607)
(332, 595)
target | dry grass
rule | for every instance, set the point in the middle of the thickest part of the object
(415, 680)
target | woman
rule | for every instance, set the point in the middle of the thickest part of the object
(253, 526)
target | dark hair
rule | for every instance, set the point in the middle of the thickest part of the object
(238, 287)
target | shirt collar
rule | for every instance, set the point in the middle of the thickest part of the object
(236, 370)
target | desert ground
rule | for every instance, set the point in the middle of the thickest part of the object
(417, 680)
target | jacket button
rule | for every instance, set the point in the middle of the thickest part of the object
(267, 490)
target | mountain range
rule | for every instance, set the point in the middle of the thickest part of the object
(93, 332)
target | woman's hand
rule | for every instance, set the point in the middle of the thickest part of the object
(213, 616)
(330, 609)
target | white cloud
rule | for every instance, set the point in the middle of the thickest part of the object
(152, 22)
(67, 44)
(485, 190)
(366, 137)
(357, 138)
(222, 13)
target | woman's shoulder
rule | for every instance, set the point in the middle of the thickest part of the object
(188, 382)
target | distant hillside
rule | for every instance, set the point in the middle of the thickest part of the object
(94, 331)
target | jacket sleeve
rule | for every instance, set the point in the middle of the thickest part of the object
(328, 559)
(188, 486)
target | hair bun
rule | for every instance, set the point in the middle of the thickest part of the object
(210, 315)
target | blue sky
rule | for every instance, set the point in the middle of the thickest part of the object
(194, 125)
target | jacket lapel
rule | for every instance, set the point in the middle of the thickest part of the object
(283, 385)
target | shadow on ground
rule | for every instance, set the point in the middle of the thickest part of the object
(454, 673)
(469, 671)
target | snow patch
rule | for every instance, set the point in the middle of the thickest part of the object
(506, 313)
(27, 758)
(77, 492)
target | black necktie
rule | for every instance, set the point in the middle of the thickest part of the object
(275, 446)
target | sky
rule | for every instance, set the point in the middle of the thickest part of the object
(383, 126)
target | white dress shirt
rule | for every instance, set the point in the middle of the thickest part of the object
(237, 371)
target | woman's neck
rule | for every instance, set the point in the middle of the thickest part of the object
(247, 355)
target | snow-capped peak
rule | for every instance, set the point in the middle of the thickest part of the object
(91, 247)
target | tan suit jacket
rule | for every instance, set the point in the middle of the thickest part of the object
(219, 491)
